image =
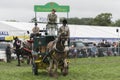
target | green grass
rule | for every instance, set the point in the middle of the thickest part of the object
(104, 68)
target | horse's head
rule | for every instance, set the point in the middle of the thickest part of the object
(62, 37)
(16, 41)
(15, 38)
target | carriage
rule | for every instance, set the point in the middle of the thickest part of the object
(47, 45)
(39, 53)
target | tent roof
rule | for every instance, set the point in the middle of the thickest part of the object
(75, 30)
(93, 31)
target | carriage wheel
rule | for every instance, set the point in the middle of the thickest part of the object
(34, 69)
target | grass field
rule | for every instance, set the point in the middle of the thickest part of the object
(104, 68)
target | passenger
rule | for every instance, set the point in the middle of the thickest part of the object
(35, 31)
(64, 29)
(52, 20)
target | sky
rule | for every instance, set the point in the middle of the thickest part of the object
(23, 10)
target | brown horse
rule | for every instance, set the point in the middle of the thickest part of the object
(58, 55)
(26, 51)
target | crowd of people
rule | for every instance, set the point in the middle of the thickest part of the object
(100, 49)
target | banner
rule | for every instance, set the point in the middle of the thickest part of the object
(4, 33)
(51, 5)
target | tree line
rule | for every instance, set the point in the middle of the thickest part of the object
(103, 19)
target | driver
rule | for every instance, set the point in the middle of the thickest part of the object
(52, 20)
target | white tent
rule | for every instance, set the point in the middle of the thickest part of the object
(94, 32)
(76, 31)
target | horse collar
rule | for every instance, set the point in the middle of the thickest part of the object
(58, 50)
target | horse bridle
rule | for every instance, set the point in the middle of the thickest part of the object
(59, 51)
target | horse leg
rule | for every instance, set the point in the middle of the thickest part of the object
(18, 59)
(55, 68)
(28, 59)
(65, 68)
(50, 68)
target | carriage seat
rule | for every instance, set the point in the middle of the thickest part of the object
(32, 35)
(28, 50)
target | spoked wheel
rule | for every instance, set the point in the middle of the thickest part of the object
(34, 69)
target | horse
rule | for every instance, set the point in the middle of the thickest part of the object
(58, 55)
(17, 46)
(24, 51)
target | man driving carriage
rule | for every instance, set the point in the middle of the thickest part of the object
(52, 20)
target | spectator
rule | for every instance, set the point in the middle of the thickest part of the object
(8, 53)
(94, 50)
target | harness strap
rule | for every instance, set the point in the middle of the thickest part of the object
(57, 49)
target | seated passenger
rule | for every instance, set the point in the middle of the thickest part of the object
(64, 29)
(35, 31)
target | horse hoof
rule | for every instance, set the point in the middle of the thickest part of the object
(18, 65)
(65, 74)
(55, 75)
(51, 74)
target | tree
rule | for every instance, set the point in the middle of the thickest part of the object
(73, 20)
(82, 21)
(117, 23)
(103, 19)
(33, 19)
(12, 20)
(86, 21)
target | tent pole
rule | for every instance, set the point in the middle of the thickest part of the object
(35, 17)
(67, 15)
